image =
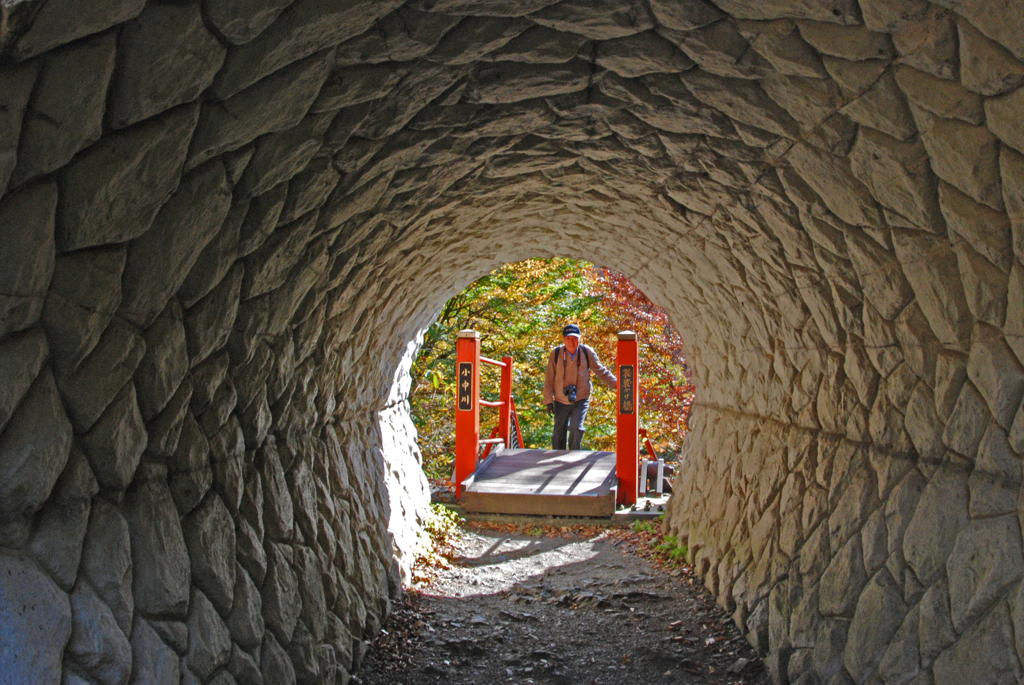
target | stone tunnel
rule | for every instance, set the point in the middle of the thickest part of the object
(224, 225)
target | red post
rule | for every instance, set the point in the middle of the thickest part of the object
(505, 413)
(467, 410)
(627, 437)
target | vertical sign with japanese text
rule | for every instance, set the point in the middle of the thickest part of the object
(465, 386)
(626, 400)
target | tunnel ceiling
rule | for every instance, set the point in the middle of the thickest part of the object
(226, 222)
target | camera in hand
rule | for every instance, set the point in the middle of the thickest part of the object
(570, 392)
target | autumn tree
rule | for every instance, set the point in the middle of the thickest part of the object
(666, 384)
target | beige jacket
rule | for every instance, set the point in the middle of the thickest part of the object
(568, 372)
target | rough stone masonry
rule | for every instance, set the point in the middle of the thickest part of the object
(223, 224)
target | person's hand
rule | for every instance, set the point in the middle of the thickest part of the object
(551, 407)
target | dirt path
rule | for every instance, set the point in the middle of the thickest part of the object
(517, 608)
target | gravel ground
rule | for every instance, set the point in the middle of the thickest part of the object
(518, 608)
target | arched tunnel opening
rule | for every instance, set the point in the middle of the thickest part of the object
(224, 224)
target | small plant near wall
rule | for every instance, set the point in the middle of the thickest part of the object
(441, 532)
(520, 310)
(646, 540)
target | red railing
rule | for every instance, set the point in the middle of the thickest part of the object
(467, 413)
(647, 443)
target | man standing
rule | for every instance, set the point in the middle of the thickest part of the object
(567, 386)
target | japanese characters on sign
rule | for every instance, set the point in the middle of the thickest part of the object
(465, 386)
(626, 400)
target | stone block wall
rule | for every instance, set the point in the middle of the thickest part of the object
(224, 224)
(844, 563)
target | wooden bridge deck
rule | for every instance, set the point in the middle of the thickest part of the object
(543, 482)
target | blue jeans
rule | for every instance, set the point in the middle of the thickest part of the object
(569, 420)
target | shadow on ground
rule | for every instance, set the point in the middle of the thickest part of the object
(516, 608)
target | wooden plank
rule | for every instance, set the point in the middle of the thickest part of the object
(549, 458)
(534, 480)
(528, 488)
(539, 505)
(588, 474)
(550, 469)
(498, 469)
(535, 455)
(543, 482)
(505, 469)
(564, 486)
